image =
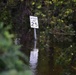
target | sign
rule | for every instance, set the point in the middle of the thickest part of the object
(34, 22)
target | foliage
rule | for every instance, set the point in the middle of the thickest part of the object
(67, 56)
(10, 62)
(56, 17)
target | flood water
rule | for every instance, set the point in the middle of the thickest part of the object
(43, 56)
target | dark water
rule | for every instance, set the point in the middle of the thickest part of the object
(43, 55)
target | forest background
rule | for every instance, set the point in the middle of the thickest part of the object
(57, 17)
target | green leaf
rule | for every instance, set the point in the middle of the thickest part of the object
(33, 3)
(1, 25)
(39, 7)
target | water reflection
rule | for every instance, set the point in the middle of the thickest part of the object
(34, 58)
(51, 51)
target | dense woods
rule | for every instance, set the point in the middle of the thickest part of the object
(56, 17)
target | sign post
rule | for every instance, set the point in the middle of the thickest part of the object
(35, 37)
(34, 24)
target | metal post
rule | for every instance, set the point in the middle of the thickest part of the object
(35, 37)
(35, 42)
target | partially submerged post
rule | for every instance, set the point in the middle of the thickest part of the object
(34, 24)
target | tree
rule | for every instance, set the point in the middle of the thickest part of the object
(10, 55)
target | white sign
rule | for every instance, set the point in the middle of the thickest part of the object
(34, 22)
